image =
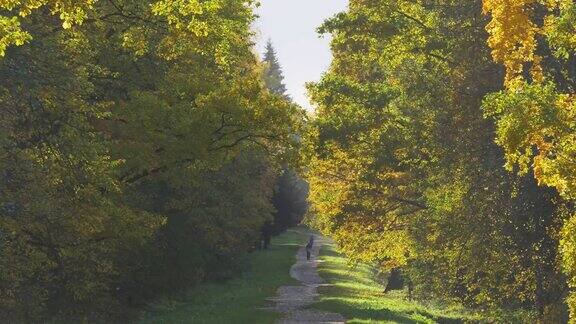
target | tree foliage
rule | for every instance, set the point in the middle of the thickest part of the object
(291, 190)
(273, 76)
(536, 112)
(404, 171)
(140, 149)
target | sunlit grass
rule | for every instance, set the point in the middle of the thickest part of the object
(240, 300)
(357, 295)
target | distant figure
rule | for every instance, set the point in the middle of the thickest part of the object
(309, 246)
(266, 235)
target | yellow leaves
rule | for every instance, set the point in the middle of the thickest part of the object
(364, 242)
(555, 164)
(11, 33)
(512, 35)
(448, 198)
(352, 201)
(180, 7)
(536, 116)
(536, 70)
(70, 12)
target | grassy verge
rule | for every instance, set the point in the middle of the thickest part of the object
(354, 293)
(238, 300)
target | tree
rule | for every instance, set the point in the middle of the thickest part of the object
(138, 148)
(403, 168)
(273, 77)
(536, 111)
(291, 190)
(11, 32)
(290, 200)
(66, 223)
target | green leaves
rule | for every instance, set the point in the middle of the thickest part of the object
(70, 13)
(560, 30)
(216, 28)
(139, 127)
(568, 249)
(184, 14)
(526, 117)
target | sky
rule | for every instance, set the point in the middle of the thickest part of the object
(291, 25)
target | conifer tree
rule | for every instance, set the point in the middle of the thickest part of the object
(273, 76)
(290, 198)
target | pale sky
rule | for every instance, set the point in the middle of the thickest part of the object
(292, 24)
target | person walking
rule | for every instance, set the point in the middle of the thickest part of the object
(309, 246)
(265, 236)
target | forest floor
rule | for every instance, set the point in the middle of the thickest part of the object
(354, 292)
(240, 300)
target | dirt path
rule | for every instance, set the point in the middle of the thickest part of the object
(292, 301)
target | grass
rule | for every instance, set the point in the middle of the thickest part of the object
(239, 300)
(355, 293)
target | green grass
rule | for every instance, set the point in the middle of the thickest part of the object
(355, 293)
(238, 300)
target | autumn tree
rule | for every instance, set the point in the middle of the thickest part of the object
(536, 111)
(404, 171)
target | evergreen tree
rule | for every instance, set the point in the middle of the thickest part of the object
(290, 197)
(273, 77)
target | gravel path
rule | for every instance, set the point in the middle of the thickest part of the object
(293, 301)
